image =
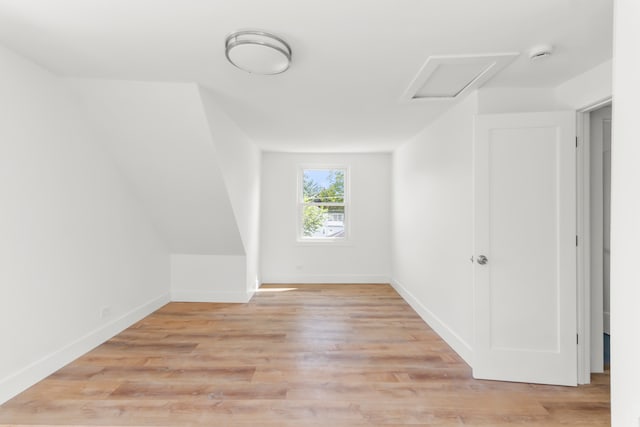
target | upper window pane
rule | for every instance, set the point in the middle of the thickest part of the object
(323, 186)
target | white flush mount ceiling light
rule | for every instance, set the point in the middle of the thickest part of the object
(258, 52)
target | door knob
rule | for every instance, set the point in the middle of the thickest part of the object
(482, 260)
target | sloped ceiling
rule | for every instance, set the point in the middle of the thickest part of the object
(157, 135)
(352, 60)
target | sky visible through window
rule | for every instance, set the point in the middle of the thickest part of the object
(322, 177)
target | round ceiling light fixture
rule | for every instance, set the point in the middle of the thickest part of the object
(258, 52)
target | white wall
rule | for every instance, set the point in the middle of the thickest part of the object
(159, 138)
(364, 258)
(432, 224)
(581, 91)
(625, 218)
(240, 162)
(586, 89)
(194, 171)
(79, 258)
(517, 100)
(208, 278)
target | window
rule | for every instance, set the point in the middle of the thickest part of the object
(322, 203)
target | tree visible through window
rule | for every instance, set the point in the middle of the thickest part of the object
(323, 206)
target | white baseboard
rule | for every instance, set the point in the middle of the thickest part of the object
(607, 322)
(210, 296)
(40, 369)
(326, 278)
(458, 345)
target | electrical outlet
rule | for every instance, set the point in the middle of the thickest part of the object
(105, 312)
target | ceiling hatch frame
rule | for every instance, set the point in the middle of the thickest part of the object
(481, 69)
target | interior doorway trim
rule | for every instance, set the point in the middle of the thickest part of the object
(583, 158)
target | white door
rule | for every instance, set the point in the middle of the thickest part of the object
(525, 227)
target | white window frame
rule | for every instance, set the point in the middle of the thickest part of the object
(301, 204)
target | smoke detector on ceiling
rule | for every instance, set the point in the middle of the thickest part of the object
(540, 51)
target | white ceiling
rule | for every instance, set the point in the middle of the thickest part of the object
(352, 59)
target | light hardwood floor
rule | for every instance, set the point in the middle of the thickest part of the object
(314, 355)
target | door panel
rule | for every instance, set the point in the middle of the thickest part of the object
(525, 295)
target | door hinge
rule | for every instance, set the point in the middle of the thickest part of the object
(577, 339)
(576, 141)
(576, 240)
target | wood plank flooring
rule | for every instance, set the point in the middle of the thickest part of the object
(313, 355)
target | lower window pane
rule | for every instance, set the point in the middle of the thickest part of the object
(323, 222)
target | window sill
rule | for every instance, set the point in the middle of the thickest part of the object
(323, 242)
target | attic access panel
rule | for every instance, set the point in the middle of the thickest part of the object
(453, 76)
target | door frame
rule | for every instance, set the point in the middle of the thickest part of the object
(585, 309)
